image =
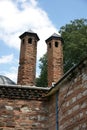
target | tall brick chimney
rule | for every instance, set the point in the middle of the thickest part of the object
(27, 61)
(55, 58)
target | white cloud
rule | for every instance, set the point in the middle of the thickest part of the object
(6, 59)
(11, 68)
(12, 74)
(21, 15)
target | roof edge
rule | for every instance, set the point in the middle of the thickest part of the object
(24, 87)
(29, 33)
(56, 86)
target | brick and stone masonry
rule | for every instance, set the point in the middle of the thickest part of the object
(54, 58)
(73, 100)
(23, 114)
(27, 61)
(34, 114)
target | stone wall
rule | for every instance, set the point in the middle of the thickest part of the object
(52, 113)
(73, 101)
(23, 115)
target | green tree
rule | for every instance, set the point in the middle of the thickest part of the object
(42, 80)
(74, 35)
(75, 42)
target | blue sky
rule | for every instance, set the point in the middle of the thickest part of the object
(44, 17)
(62, 12)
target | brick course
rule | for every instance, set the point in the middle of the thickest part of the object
(52, 113)
(23, 114)
(73, 97)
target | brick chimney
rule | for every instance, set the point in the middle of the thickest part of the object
(55, 58)
(27, 61)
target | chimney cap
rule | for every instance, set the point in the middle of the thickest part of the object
(54, 36)
(29, 33)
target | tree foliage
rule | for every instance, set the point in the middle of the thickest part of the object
(74, 35)
(75, 42)
(42, 80)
